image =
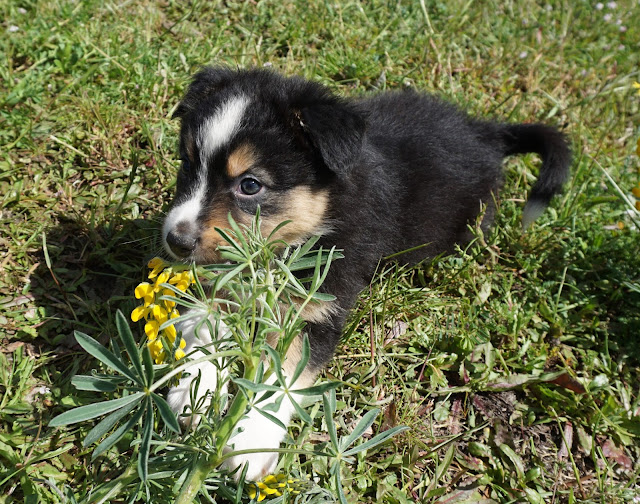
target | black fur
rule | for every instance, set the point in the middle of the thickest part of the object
(402, 169)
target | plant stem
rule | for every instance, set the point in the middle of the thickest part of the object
(205, 463)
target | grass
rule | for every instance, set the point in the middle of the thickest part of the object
(515, 362)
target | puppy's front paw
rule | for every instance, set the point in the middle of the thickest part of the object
(179, 397)
(258, 433)
(259, 464)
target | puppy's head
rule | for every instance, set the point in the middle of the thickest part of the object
(254, 139)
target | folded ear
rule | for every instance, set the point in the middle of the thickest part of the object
(336, 130)
(207, 81)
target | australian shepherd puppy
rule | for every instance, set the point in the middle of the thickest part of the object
(375, 176)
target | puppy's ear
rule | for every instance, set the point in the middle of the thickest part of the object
(335, 130)
(207, 81)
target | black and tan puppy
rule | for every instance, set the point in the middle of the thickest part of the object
(372, 176)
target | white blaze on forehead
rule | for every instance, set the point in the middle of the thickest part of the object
(221, 126)
(215, 131)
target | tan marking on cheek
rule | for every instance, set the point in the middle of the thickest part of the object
(210, 239)
(305, 208)
(240, 161)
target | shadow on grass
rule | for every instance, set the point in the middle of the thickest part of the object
(86, 273)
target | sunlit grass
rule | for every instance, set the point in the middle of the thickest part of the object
(496, 357)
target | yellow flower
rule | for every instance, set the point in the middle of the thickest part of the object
(151, 329)
(145, 292)
(275, 485)
(140, 312)
(157, 265)
(156, 312)
(637, 86)
(636, 191)
(182, 280)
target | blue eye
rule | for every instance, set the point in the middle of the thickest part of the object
(250, 186)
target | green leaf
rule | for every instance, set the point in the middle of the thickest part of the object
(323, 296)
(515, 459)
(225, 279)
(301, 412)
(276, 364)
(117, 434)
(105, 356)
(276, 229)
(304, 359)
(93, 410)
(329, 402)
(366, 422)
(106, 424)
(254, 387)
(167, 415)
(93, 383)
(269, 416)
(317, 390)
(145, 445)
(444, 464)
(129, 343)
(375, 441)
(148, 364)
(341, 497)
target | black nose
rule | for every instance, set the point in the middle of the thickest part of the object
(181, 244)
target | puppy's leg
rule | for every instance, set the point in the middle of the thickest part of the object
(179, 397)
(259, 432)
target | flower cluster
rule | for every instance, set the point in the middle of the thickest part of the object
(275, 485)
(156, 312)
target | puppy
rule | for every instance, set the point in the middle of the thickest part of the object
(376, 176)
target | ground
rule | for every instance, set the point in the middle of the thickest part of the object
(515, 361)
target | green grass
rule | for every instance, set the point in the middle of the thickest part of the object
(466, 351)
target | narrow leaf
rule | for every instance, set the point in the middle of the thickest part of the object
(168, 416)
(301, 412)
(276, 363)
(342, 498)
(129, 343)
(366, 422)
(274, 419)
(515, 459)
(117, 434)
(444, 464)
(375, 441)
(328, 400)
(254, 387)
(148, 364)
(105, 356)
(317, 389)
(93, 410)
(304, 359)
(145, 445)
(92, 383)
(106, 424)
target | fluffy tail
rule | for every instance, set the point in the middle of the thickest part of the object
(556, 158)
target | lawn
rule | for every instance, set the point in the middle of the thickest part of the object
(515, 362)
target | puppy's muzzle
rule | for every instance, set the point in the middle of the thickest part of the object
(182, 240)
